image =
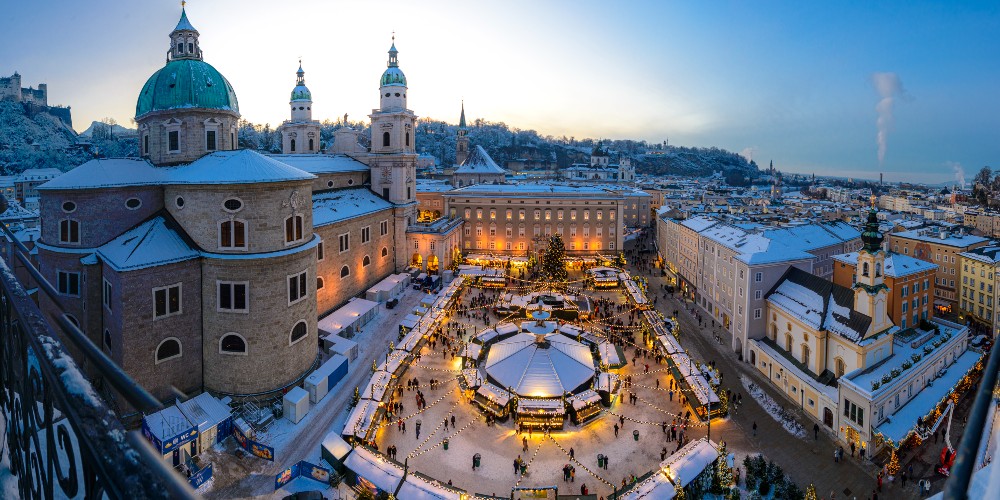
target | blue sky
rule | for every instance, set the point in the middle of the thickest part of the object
(786, 81)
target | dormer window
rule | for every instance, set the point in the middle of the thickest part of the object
(180, 47)
(190, 47)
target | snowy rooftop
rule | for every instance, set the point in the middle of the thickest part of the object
(336, 206)
(205, 411)
(699, 224)
(532, 190)
(479, 162)
(433, 186)
(899, 424)
(989, 254)
(812, 236)
(536, 371)
(223, 167)
(933, 236)
(896, 265)
(821, 304)
(152, 243)
(322, 164)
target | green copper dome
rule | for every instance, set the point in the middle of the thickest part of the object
(186, 83)
(393, 76)
(871, 237)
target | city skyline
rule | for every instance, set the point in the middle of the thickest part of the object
(802, 86)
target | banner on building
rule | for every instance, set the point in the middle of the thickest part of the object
(261, 450)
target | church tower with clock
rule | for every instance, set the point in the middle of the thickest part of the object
(393, 158)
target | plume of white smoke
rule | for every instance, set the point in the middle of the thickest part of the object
(889, 87)
(959, 172)
(748, 152)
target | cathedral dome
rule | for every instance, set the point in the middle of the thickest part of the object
(186, 83)
(301, 93)
(393, 76)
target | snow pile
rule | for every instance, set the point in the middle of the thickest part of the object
(774, 409)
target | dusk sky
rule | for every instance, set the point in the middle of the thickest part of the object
(798, 83)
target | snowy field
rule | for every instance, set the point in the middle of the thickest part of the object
(774, 409)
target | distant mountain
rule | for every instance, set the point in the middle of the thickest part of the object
(42, 140)
(104, 130)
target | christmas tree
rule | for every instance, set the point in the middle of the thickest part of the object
(893, 467)
(679, 491)
(553, 262)
(811, 493)
(723, 478)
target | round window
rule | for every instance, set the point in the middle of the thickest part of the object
(232, 204)
(397, 94)
(329, 184)
(133, 203)
(179, 202)
(387, 94)
(350, 182)
(68, 206)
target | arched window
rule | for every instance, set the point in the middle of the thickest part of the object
(69, 231)
(190, 47)
(169, 348)
(233, 234)
(878, 269)
(385, 252)
(774, 331)
(232, 343)
(293, 145)
(345, 272)
(839, 367)
(864, 269)
(180, 47)
(299, 332)
(788, 343)
(319, 282)
(366, 261)
(407, 138)
(310, 144)
(293, 228)
(385, 139)
(805, 355)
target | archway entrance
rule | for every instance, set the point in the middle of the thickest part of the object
(828, 417)
(417, 261)
(432, 264)
(753, 357)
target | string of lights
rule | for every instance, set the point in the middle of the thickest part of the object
(574, 460)
(527, 466)
(431, 433)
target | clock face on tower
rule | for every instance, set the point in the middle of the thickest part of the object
(386, 173)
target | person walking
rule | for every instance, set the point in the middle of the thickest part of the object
(616, 430)
(903, 479)
(572, 454)
(606, 462)
(755, 428)
(815, 431)
(853, 446)
(524, 444)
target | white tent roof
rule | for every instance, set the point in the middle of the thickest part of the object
(535, 371)
(381, 472)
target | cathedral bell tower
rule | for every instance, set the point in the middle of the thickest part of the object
(462, 141)
(301, 133)
(870, 292)
(393, 160)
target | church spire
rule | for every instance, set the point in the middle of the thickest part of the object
(871, 237)
(393, 61)
(300, 76)
(184, 39)
(461, 120)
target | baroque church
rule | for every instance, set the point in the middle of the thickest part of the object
(200, 266)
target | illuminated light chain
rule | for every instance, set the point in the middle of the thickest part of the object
(429, 436)
(661, 410)
(421, 386)
(573, 459)
(414, 454)
(690, 423)
(527, 466)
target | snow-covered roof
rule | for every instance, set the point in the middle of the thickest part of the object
(375, 468)
(479, 162)
(108, 173)
(681, 467)
(167, 423)
(951, 239)
(989, 254)
(899, 424)
(698, 224)
(152, 243)
(419, 487)
(533, 190)
(205, 411)
(535, 370)
(896, 265)
(336, 206)
(222, 167)
(821, 304)
(812, 236)
(322, 164)
(242, 166)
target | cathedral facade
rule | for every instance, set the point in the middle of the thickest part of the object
(199, 266)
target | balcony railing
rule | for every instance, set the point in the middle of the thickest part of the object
(60, 439)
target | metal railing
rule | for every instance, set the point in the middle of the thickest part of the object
(60, 439)
(957, 487)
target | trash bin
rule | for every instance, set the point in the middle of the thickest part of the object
(524, 468)
(477, 460)
(446, 443)
(635, 436)
(600, 461)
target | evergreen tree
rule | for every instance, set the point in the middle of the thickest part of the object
(893, 467)
(811, 492)
(553, 262)
(722, 480)
(679, 493)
